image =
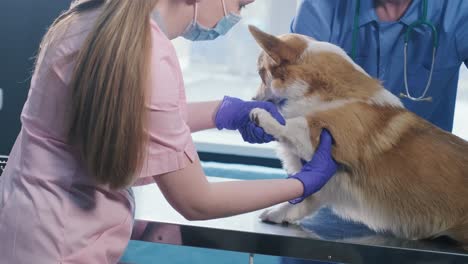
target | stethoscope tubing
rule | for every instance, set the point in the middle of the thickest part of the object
(423, 21)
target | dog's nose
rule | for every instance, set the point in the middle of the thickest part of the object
(254, 98)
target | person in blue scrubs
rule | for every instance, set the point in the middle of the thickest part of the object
(379, 49)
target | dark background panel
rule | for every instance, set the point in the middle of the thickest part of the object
(22, 25)
(3, 161)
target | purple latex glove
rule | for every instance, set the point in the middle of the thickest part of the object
(233, 114)
(317, 172)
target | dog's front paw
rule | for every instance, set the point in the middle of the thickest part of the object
(281, 214)
(260, 116)
(263, 119)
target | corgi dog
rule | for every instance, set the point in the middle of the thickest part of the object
(398, 172)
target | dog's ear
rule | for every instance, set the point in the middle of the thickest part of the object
(277, 49)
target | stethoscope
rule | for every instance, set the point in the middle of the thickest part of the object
(423, 21)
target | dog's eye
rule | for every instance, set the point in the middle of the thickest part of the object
(279, 72)
(261, 72)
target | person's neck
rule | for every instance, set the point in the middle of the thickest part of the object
(173, 16)
(391, 10)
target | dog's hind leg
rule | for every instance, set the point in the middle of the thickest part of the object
(460, 234)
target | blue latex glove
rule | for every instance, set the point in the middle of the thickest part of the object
(317, 172)
(233, 114)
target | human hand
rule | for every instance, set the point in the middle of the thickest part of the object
(319, 170)
(233, 114)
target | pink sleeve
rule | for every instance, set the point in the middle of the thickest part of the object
(169, 141)
(169, 134)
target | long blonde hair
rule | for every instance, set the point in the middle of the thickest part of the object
(109, 89)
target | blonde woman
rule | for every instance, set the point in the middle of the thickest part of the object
(107, 110)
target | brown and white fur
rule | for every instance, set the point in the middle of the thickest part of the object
(400, 173)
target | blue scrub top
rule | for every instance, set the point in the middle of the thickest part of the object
(380, 47)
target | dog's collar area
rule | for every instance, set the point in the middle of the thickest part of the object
(282, 102)
(278, 102)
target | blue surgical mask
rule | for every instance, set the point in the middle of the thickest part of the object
(197, 32)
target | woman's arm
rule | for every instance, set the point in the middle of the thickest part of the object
(201, 115)
(189, 192)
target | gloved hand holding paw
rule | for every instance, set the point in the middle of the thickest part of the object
(233, 114)
(318, 171)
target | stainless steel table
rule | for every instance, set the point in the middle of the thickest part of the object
(326, 239)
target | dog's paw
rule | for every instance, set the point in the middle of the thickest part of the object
(263, 119)
(260, 116)
(282, 214)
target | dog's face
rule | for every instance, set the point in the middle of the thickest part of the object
(294, 66)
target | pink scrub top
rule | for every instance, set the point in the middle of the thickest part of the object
(50, 212)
